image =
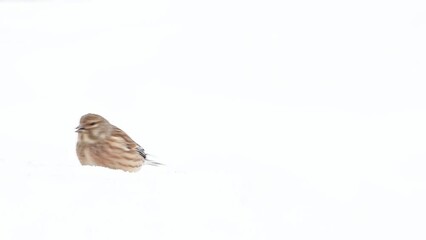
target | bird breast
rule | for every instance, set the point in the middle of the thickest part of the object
(86, 138)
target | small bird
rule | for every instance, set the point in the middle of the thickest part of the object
(103, 144)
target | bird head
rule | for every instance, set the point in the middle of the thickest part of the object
(94, 126)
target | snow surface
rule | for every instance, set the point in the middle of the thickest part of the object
(274, 119)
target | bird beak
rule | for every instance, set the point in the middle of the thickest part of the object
(79, 128)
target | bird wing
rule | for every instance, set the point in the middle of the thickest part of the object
(141, 151)
(132, 145)
(125, 140)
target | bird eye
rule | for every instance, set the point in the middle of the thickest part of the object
(93, 123)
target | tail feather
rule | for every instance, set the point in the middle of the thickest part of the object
(152, 163)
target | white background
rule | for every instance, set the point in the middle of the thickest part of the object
(274, 119)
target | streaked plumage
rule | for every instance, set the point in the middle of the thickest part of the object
(103, 144)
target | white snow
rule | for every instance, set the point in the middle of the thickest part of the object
(274, 119)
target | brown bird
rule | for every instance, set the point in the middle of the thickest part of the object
(103, 144)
